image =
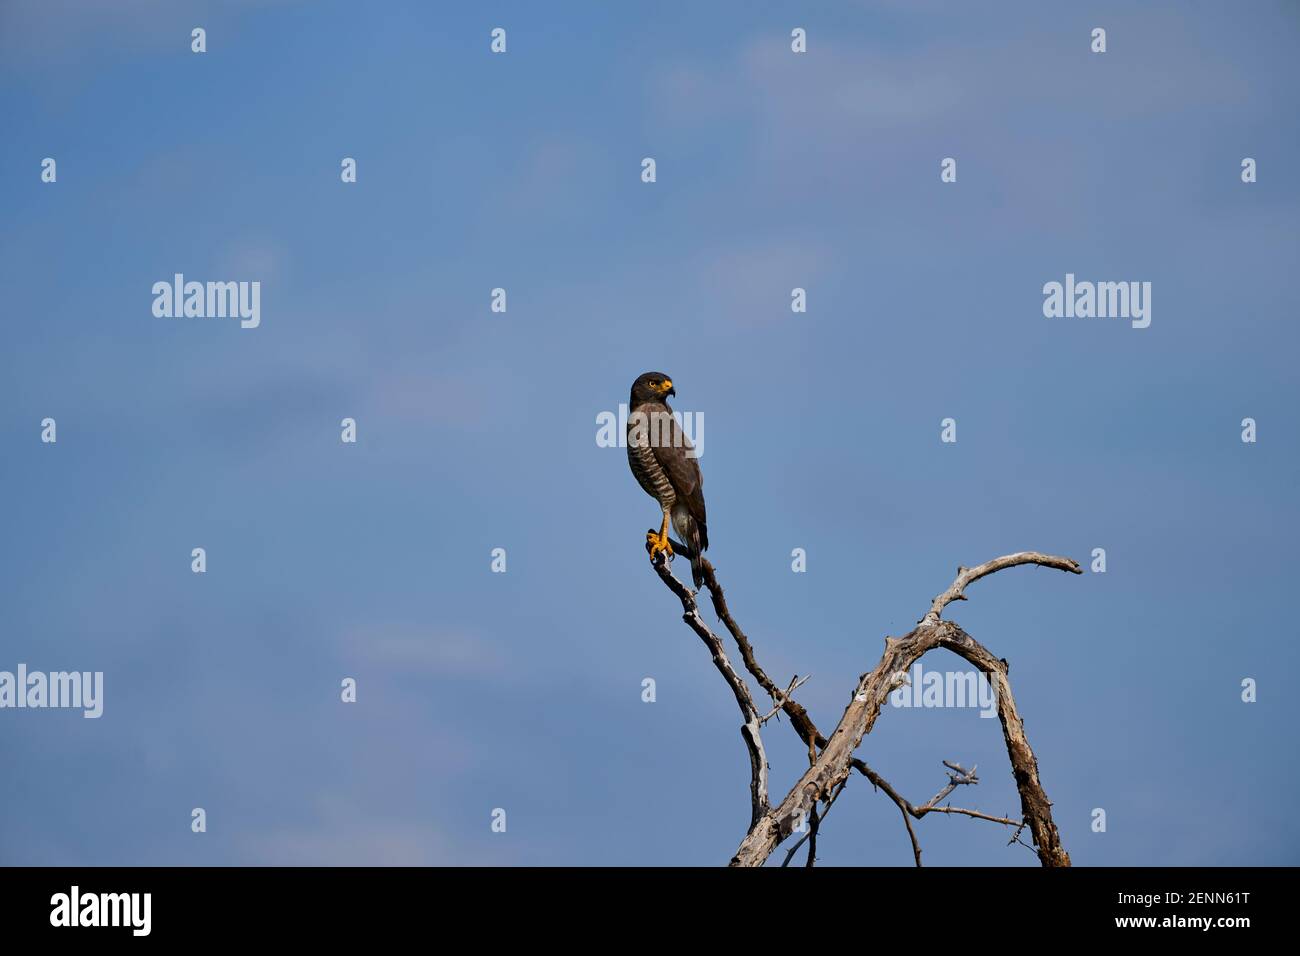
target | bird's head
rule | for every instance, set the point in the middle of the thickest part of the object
(651, 387)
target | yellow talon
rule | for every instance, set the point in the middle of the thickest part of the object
(659, 542)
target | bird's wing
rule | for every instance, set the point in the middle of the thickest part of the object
(683, 470)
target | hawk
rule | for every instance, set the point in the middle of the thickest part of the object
(659, 454)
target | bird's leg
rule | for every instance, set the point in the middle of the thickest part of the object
(659, 542)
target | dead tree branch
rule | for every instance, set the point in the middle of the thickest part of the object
(967, 576)
(836, 760)
(831, 759)
(751, 730)
(959, 777)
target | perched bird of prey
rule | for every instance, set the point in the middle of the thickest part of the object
(658, 453)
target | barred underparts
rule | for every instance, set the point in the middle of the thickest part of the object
(646, 468)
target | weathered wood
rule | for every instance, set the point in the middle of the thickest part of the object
(967, 576)
(835, 762)
(832, 759)
(751, 730)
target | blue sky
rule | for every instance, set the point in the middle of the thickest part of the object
(477, 430)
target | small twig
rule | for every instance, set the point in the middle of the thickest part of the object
(811, 834)
(783, 696)
(1019, 824)
(959, 776)
(916, 846)
(1016, 839)
(962, 774)
(812, 837)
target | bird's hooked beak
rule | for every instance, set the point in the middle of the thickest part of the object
(666, 386)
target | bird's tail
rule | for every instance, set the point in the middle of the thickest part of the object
(697, 569)
(694, 538)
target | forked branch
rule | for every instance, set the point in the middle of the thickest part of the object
(832, 759)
